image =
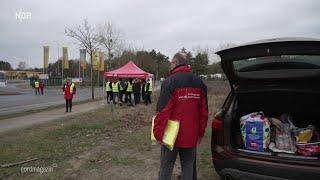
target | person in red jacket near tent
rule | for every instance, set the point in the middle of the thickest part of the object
(183, 97)
(69, 89)
(41, 86)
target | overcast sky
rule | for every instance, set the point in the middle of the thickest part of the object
(163, 25)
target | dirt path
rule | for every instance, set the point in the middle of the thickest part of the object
(37, 118)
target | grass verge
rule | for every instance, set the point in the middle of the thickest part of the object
(94, 145)
(24, 113)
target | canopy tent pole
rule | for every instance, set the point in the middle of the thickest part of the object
(103, 88)
(98, 82)
(112, 106)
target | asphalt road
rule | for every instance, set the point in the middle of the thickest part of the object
(29, 101)
(41, 117)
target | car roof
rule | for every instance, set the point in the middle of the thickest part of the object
(266, 41)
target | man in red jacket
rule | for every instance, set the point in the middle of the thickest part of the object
(69, 89)
(183, 97)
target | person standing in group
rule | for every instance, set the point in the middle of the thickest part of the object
(122, 89)
(41, 86)
(69, 89)
(125, 91)
(115, 91)
(136, 91)
(143, 93)
(36, 87)
(109, 91)
(183, 97)
(129, 90)
(148, 91)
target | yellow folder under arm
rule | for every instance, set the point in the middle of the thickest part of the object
(170, 133)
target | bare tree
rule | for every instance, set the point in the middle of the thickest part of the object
(88, 39)
(205, 50)
(110, 38)
(213, 58)
(22, 65)
(119, 48)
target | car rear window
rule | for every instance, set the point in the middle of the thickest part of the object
(277, 63)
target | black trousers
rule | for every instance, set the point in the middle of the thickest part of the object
(121, 93)
(115, 96)
(148, 97)
(187, 160)
(109, 96)
(128, 97)
(136, 98)
(68, 105)
(143, 95)
(37, 91)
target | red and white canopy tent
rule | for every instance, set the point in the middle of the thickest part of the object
(129, 70)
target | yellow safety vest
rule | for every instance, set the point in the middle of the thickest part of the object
(150, 87)
(129, 87)
(108, 86)
(71, 88)
(115, 87)
(36, 84)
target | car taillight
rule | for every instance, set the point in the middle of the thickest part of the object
(217, 124)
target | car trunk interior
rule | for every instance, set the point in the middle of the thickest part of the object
(303, 106)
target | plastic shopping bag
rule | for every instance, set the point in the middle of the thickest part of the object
(309, 149)
(255, 130)
(303, 135)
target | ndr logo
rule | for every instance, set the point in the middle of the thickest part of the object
(21, 15)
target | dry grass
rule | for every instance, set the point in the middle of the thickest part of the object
(95, 146)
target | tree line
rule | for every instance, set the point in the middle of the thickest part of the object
(108, 38)
(152, 61)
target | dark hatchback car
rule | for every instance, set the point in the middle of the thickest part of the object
(273, 76)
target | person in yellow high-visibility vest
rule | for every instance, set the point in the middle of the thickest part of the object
(129, 91)
(69, 89)
(115, 90)
(148, 91)
(36, 87)
(109, 91)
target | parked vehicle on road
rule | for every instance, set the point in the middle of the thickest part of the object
(3, 82)
(273, 76)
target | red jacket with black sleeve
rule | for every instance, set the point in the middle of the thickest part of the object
(183, 97)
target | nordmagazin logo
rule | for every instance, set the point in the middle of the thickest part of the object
(38, 169)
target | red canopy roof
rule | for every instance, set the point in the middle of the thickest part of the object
(128, 70)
